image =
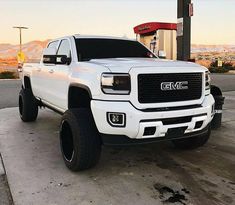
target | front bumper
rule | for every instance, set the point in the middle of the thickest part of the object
(137, 121)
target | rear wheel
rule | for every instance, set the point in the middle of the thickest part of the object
(79, 139)
(28, 106)
(192, 142)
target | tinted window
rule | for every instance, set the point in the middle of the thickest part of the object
(110, 48)
(64, 48)
(52, 44)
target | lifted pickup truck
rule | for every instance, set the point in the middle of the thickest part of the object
(116, 91)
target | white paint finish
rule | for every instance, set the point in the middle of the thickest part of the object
(51, 82)
(134, 116)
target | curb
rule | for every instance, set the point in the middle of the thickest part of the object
(5, 192)
(2, 170)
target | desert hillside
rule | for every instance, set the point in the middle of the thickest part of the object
(33, 51)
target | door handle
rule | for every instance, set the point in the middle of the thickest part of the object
(51, 70)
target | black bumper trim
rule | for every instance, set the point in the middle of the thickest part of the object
(123, 140)
(175, 120)
(163, 109)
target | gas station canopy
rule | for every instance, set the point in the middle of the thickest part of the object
(148, 28)
(158, 37)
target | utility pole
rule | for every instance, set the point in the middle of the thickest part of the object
(20, 55)
(185, 11)
(20, 29)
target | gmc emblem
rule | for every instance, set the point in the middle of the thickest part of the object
(174, 85)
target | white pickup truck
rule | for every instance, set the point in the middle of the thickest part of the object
(115, 91)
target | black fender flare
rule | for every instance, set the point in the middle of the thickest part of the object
(216, 91)
(81, 86)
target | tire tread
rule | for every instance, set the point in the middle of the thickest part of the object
(30, 106)
(88, 142)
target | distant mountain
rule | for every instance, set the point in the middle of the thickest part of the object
(32, 50)
(212, 48)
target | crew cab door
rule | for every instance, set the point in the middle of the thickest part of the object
(58, 77)
(43, 74)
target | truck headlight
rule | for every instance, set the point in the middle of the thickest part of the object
(207, 80)
(116, 83)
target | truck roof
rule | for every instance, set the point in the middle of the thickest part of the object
(77, 36)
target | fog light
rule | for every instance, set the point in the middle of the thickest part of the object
(116, 119)
(198, 124)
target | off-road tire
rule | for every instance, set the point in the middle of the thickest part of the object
(193, 142)
(28, 106)
(80, 141)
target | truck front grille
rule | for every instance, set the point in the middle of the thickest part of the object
(150, 87)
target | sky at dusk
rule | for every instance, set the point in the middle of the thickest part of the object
(212, 23)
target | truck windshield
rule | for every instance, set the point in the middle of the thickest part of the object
(88, 49)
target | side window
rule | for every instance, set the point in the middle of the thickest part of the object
(64, 48)
(52, 44)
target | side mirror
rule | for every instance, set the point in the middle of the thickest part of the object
(48, 56)
(49, 59)
(162, 54)
(63, 60)
(56, 59)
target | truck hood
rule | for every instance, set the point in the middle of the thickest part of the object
(124, 65)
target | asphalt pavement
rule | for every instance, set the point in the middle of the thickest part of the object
(225, 81)
(9, 92)
(139, 175)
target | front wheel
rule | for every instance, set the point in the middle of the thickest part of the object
(79, 139)
(193, 142)
(28, 106)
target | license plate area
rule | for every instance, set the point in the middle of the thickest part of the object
(175, 132)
